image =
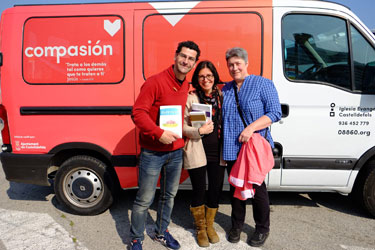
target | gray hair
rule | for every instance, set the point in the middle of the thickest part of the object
(236, 52)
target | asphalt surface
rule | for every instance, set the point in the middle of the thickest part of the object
(31, 218)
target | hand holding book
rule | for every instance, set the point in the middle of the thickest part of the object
(168, 137)
(206, 128)
(200, 114)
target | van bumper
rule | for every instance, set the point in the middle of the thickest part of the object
(26, 168)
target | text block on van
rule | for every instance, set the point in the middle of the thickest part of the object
(73, 50)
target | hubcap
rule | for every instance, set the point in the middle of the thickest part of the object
(83, 188)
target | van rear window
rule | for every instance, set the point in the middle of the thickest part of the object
(73, 50)
(213, 32)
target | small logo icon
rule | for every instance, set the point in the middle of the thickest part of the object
(112, 28)
(332, 113)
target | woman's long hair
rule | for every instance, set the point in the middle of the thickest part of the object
(215, 98)
(200, 66)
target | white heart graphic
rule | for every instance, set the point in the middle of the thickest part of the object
(173, 7)
(112, 28)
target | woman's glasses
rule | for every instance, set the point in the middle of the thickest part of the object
(208, 77)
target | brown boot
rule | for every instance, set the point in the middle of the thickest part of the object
(200, 225)
(210, 217)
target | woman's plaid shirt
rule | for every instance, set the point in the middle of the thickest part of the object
(257, 96)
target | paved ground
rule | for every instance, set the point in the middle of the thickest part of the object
(32, 219)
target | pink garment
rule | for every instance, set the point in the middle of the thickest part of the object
(253, 163)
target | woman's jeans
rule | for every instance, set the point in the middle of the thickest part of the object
(152, 164)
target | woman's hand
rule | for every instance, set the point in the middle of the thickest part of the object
(207, 128)
(246, 134)
(262, 123)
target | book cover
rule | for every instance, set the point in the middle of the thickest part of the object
(203, 107)
(171, 118)
(197, 118)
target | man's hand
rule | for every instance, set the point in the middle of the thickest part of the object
(168, 137)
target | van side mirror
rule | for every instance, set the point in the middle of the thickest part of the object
(1, 59)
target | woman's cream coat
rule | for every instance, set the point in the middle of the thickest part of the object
(194, 155)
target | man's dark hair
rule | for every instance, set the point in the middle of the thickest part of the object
(190, 45)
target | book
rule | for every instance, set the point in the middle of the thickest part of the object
(197, 118)
(203, 107)
(171, 118)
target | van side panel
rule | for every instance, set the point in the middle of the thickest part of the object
(73, 84)
(214, 27)
(82, 66)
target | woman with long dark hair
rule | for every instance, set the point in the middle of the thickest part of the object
(202, 153)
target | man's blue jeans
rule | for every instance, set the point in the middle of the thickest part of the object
(152, 164)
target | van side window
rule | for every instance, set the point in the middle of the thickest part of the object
(316, 49)
(73, 50)
(214, 32)
(364, 62)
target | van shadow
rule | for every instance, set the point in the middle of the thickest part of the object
(121, 209)
(121, 214)
(22, 191)
(182, 217)
(124, 202)
(337, 202)
(181, 213)
(122, 206)
(30, 192)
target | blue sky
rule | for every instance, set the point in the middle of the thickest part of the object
(364, 9)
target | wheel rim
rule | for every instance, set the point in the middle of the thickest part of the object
(83, 188)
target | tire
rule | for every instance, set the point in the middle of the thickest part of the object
(84, 186)
(368, 192)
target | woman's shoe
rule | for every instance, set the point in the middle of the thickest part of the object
(200, 225)
(210, 218)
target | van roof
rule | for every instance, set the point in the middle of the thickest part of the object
(320, 4)
(275, 2)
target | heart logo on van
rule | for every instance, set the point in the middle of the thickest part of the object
(170, 9)
(112, 28)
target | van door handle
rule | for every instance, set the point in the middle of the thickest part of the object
(284, 110)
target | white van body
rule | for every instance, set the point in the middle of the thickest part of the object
(309, 132)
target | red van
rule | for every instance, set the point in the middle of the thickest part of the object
(70, 75)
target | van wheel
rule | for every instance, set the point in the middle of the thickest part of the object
(369, 192)
(84, 185)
